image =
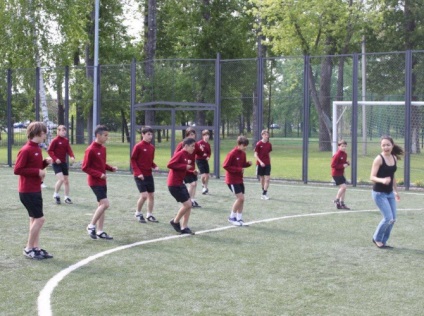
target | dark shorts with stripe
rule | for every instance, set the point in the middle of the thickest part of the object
(100, 191)
(203, 166)
(236, 188)
(62, 167)
(145, 185)
(33, 202)
(263, 171)
(180, 193)
(339, 179)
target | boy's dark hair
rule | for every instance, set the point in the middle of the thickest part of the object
(342, 142)
(35, 129)
(146, 129)
(61, 127)
(205, 132)
(188, 141)
(190, 130)
(242, 140)
(397, 150)
(100, 129)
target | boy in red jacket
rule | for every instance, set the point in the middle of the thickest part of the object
(94, 164)
(142, 164)
(30, 168)
(202, 160)
(179, 164)
(58, 149)
(234, 164)
(338, 163)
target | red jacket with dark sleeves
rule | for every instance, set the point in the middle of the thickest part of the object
(28, 164)
(94, 164)
(337, 162)
(142, 158)
(58, 149)
(178, 168)
(234, 164)
(262, 150)
(192, 156)
(204, 150)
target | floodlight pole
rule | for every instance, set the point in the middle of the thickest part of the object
(96, 62)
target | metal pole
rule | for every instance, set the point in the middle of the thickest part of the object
(37, 93)
(10, 130)
(67, 97)
(354, 162)
(217, 117)
(96, 61)
(364, 98)
(408, 99)
(132, 101)
(305, 127)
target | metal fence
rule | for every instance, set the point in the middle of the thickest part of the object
(297, 98)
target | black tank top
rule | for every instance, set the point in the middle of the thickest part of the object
(383, 172)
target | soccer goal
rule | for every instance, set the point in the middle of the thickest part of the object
(375, 118)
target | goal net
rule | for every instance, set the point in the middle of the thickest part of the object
(375, 118)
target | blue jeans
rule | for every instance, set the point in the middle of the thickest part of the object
(387, 204)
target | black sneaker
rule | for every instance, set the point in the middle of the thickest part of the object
(195, 204)
(140, 218)
(104, 236)
(68, 201)
(92, 232)
(33, 254)
(45, 254)
(338, 204)
(177, 226)
(57, 199)
(187, 231)
(344, 206)
(152, 219)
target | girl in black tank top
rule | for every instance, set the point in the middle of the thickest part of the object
(384, 191)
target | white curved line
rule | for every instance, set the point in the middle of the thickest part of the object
(44, 299)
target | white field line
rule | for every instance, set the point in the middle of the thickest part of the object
(44, 299)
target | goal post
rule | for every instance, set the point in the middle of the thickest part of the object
(337, 116)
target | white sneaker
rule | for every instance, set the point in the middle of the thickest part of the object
(43, 186)
(264, 197)
(237, 223)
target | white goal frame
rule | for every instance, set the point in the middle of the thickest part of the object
(364, 127)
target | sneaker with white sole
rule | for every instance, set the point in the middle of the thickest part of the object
(45, 254)
(92, 232)
(234, 221)
(57, 199)
(104, 236)
(33, 254)
(195, 204)
(68, 201)
(152, 219)
(140, 218)
(205, 191)
(264, 197)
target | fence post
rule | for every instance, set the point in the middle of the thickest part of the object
(67, 97)
(10, 129)
(259, 103)
(408, 99)
(305, 127)
(132, 104)
(354, 131)
(217, 117)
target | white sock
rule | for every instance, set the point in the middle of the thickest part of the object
(91, 226)
(148, 214)
(67, 197)
(99, 232)
(56, 194)
(232, 215)
(137, 213)
(239, 216)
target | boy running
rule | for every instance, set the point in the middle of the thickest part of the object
(58, 149)
(142, 164)
(338, 163)
(202, 160)
(234, 164)
(263, 162)
(94, 164)
(179, 165)
(191, 177)
(30, 168)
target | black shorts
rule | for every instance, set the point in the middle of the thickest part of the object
(189, 178)
(146, 185)
(339, 179)
(33, 202)
(263, 171)
(100, 191)
(203, 165)
(62, 167)
(236, 188)
(180, 193)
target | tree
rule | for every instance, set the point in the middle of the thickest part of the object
(312, 27)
